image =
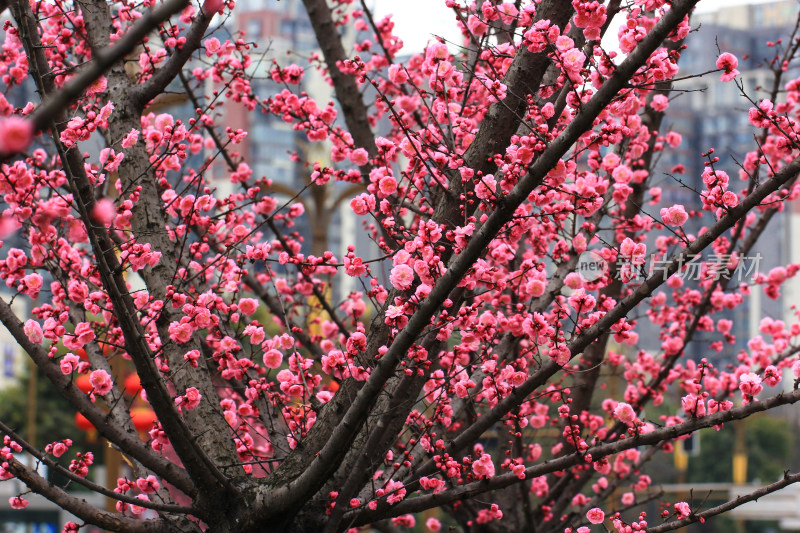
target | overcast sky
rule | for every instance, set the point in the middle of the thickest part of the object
(417, 20)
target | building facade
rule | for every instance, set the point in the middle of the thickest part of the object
(709, 113)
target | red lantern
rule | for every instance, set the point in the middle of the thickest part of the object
(83, 383)
(143, 418)
(132, 385)
(83, 423)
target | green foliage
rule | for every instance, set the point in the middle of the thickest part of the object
(768, 441)
(54, 416)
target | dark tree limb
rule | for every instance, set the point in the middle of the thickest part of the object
(102, 60)
(184, 442)
(79, 507)
(312, 477)
(412, 505)
(143, 94)
(201, 437)
(127, 442)
(347, 91)
(788, 479)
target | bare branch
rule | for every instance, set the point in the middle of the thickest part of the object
(44, 459)
(102, 60)
(143, 94)
(353, 419)
(80, 508)
(469, 490)
(788, 479)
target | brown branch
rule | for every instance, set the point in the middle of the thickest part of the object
(310, 479)
(523, 78)
(375, 441)
(144, 93)
(201, 437)
(79, 507)
(184, 442)
(727, 506)
(43, 458)
(347, 92)
(129, 443)
(420, 503)
(102, 59)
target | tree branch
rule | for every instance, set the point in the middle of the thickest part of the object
(733, 504)
(102, 58)
(312, 476)
(192, 457)
(43, 458)
(129, 443)
(384, 510)
(347, 92)
(200, 437)
(144, 93)
(79, 507)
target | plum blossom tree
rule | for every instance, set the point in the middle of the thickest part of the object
(471, 378)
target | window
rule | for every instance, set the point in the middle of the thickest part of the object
(253, 29)
(8, 360)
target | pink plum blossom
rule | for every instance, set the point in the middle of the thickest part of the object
(595, 515)
(433, 524)
(402, 277)
(476, 25)
(360, 156)
(34, 331)
(69, 363)
(101, 381)
(59, 449)
(248, 306)
(190, 400)
(104, 211)
(130, 139)
(483, 467)
(728, 63)
(18, 503)
(750, 384)
(796, 369)
(16, 135)
(674, 216)
(273, 358)
(148, 485)
(625, 413)
(682, 510)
